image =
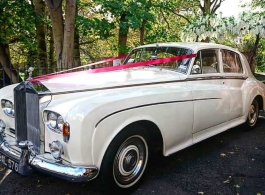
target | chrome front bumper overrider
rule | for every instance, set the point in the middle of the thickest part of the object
(27, 160)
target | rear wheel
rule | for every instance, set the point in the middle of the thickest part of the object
(253, 113)
(125, 160)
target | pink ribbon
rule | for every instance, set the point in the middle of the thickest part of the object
(113, 68)
(92, 64)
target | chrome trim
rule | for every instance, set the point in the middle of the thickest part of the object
(153, 104)
(147, 84)
(30, 70)
(45, 120)
(27, 122)
(3, 101)
(63, 169)
(2, 126)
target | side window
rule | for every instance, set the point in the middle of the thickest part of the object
(231, 62)
(206, 62)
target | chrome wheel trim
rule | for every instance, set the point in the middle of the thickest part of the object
(253, 113)
(126, 156)
(130, 161)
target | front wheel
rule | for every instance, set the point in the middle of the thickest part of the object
(253, 114)
(125, 160)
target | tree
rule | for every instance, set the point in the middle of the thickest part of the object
(215, 27)
(39, 8)
(17, 26)
(209, 6)
(63, 30)
(191, 10)
(130, 14)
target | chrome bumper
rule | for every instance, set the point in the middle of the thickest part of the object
(27, 160)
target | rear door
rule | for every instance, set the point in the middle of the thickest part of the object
(234, 80)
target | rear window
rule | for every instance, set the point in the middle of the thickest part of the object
(231, 62)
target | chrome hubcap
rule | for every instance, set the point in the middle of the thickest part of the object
(130, 161)
(253, 114)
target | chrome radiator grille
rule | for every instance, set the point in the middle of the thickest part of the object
(26, 102)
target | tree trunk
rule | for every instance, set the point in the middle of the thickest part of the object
(69, 32)
(56, 14)
(253, 54)
(39, 8)
(123, 34)
(6, 63)
(63, 34)
(207, 7)
(77, 61)
(51, 52)
(142, 28)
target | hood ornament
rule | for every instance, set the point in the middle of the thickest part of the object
(30, 70)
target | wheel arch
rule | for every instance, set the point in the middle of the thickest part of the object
(153, 132)
(152, 129)
(260, 101)
(253, 91)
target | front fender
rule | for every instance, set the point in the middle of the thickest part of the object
(175, 126)
(107, 130)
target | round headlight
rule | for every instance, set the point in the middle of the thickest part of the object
(56, 149)
(52, 119)
(8, 104)
(60, 122)
(8, 108)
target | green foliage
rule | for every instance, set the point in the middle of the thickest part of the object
(260, 59)
(17, 21)
(100, 28)
(258, 3)
(17, 26)
(98, 22)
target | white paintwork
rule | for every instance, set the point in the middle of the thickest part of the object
(7, 93)
(84, 80)
(205, 111)
(181, 121)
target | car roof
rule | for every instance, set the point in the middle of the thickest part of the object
(195, 46)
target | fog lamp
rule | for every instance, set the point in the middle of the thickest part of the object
(2, 126)
(56, 149)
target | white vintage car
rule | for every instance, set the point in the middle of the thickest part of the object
(165, 97)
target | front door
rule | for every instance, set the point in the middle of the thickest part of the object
(210, 94)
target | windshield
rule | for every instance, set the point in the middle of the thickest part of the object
(153, 53)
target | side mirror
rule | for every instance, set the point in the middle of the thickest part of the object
(196, 69)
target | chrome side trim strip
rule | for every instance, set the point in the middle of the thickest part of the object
(146, 84)
(153, 104)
